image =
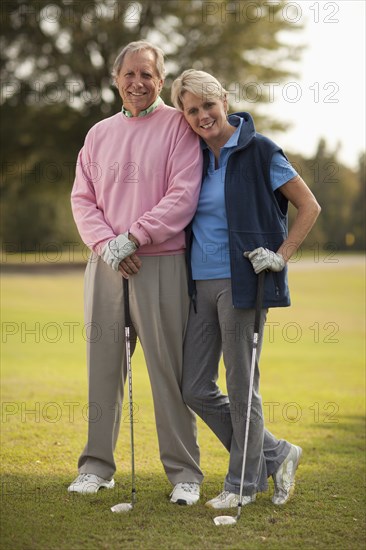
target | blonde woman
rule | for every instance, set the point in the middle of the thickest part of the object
(239, 230)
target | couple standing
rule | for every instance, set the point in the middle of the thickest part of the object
(141, 177)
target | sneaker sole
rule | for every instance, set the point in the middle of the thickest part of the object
(110, 485)
(229, 506)
(292, 488)
(182, 502)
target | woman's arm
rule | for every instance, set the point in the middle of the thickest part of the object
(308, 209)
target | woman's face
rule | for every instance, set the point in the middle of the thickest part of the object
(206, 117)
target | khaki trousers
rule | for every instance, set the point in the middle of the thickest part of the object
(159, 310)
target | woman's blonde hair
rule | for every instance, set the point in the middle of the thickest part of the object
(198, 83)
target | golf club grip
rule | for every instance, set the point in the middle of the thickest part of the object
(126, 303)
(259, 301)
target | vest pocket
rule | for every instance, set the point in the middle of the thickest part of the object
(244, 280)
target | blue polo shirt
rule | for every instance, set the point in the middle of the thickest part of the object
(210, 246)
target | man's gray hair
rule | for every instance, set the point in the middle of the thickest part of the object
(139, 46)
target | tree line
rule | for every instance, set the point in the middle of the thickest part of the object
(55, 64)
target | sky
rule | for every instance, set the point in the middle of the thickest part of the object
(327, 99)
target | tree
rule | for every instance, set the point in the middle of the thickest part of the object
(55, 67)
(63, 52)
(358, 232)
(336, 188)
(340, 192)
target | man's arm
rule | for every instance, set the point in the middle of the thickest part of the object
(176, 209)
(92, 226)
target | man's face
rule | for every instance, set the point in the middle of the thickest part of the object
(138, 81)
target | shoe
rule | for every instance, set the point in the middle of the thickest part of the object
(229, 500)
(284, 478)
(89, 483)
(185, 494)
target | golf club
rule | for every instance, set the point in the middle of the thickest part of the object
(230, 520)
(127, 506)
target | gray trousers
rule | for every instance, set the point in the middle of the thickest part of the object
(159, 307)
(219, 329)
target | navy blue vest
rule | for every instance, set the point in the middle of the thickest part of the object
(256, 216)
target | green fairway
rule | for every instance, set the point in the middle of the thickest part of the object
(313, 389)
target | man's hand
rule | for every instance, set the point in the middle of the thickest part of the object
(116, 250)
(130, 266)
(262, 259)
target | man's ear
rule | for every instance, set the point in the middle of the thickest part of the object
(115, 80)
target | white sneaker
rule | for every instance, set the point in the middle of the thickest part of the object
(89, 483)
(284, 478)
(185, 494)
(229, 500)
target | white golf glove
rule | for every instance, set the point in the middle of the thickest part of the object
(117, 250)
(262, 258)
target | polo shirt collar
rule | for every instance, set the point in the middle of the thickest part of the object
(236, 121)
(145, 111)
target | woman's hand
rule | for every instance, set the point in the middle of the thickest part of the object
(262, 259)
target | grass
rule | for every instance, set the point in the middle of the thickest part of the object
(313, 394)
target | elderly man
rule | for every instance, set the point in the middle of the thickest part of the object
(136, 188)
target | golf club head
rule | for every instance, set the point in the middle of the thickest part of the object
(122, 507)
(225, 520)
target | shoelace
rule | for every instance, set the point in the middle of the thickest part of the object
(84, 477)
(222, 496)
(189, 487)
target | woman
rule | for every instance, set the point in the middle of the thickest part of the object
(239, 230)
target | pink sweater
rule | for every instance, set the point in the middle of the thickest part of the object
(139, 174)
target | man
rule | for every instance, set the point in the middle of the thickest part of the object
(136, 187)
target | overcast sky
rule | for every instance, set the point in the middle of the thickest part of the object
(328, 98)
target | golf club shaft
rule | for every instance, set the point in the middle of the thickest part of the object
(129, 373)
(258, 306)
